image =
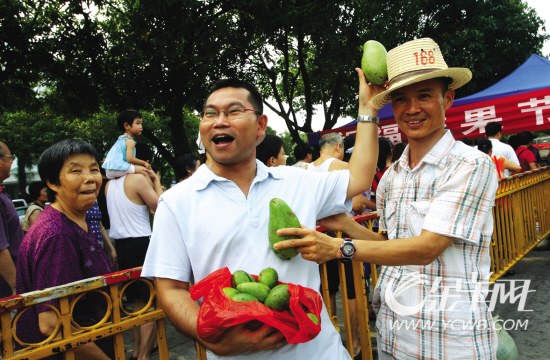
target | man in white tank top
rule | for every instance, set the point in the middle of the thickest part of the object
(130, 200)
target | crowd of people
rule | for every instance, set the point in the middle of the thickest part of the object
(433, 196)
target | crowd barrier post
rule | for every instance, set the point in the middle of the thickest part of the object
(68, 334)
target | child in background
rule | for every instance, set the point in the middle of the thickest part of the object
(121, 158)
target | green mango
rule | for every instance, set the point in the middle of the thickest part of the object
(278, 298)
(374, 63)
(269, 277)
(281, 216)
(313, 318)
(241, 276)
(230, 292)
(258, 290)
(243, 297)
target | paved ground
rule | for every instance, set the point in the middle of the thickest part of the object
(533, 341)
(531, 336)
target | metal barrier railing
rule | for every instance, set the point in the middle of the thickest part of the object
(361, 298)
(522, 219)
(68, 334)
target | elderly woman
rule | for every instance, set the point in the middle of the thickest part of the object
(39, 196)
(59, 248)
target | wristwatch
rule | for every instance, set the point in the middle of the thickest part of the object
(369, 119)
(347, 249)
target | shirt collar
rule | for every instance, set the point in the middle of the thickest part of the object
(436, 153)
(203, 176)
(440, 149)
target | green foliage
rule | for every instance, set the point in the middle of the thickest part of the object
(164, 56)
(306, 51)
(288, 145)
(68, 67)
(306, 55)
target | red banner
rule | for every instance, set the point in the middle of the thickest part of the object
(528, 111)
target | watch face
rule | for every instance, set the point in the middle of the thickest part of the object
(348, 249)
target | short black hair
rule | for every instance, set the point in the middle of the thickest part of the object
(127, 117)
(35, 188)
(269, 147)
(398, 150)
(53, 158)
(254, 97)
(445, 82)
(185, 164)
(524, 138)
(385, 149)
(301, 151)
(529, 135)
(492, 128)
(484, 145)
(513, 141)
(144, 152)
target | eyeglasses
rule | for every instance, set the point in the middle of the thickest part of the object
(233, 113)
(11, 157)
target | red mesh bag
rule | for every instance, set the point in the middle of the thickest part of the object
(218, 313)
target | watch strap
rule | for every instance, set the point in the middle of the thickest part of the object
(346, 258)
(369, 119)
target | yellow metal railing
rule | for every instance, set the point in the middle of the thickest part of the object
(522, 218)
(522, 202)
(68, 335)
(361, 298)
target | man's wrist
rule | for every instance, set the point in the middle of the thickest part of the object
(347, 250)
(368, 119)
(337, 243)
(368, 110)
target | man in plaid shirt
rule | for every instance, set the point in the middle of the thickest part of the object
(435, 208)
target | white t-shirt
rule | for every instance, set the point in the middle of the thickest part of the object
(505, 151)
(205, 223)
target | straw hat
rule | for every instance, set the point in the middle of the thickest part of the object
(416, 61)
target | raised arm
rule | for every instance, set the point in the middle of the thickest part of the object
(362, 164)
(148, 192)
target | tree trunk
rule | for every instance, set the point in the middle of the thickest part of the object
(22, 178)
